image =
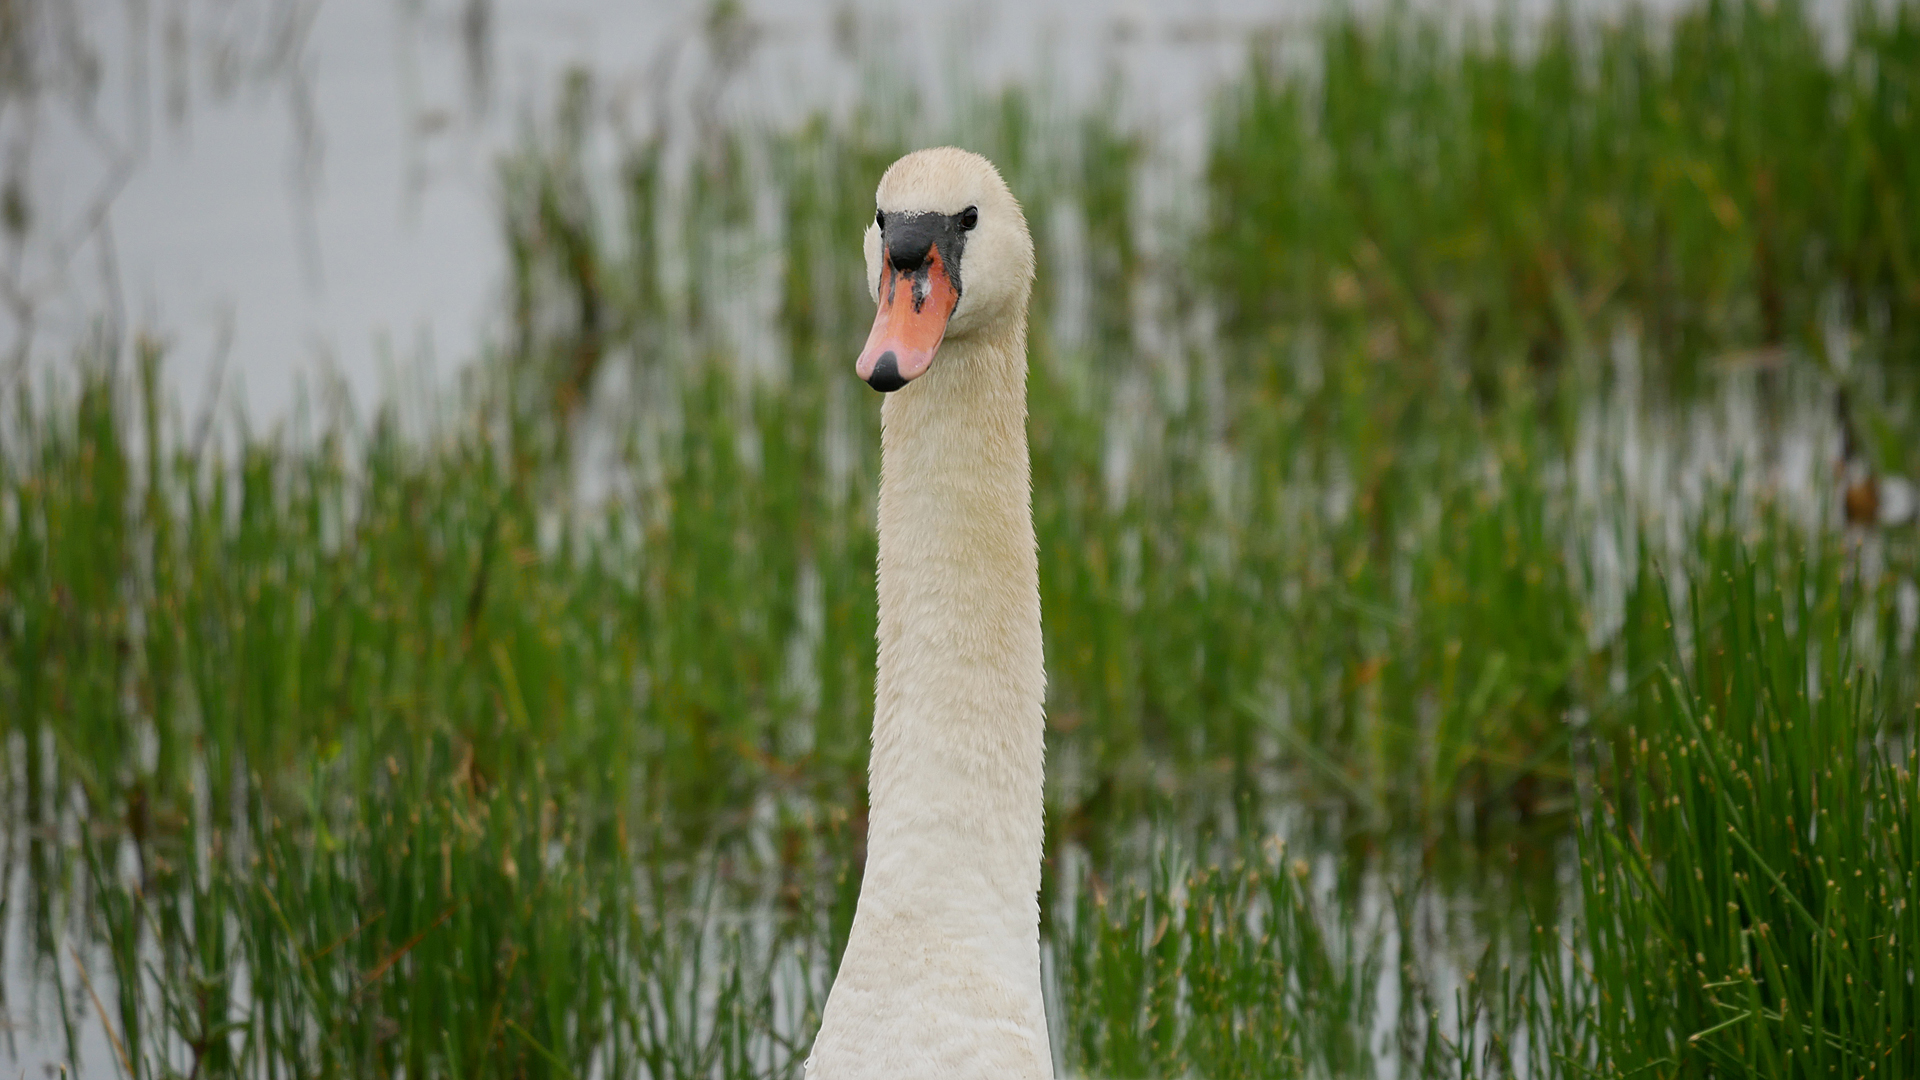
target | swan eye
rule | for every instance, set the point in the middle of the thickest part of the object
(880, 219)
(970, 217)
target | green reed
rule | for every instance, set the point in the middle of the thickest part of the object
(1717, 176)
(422, 816)
(1751, 882)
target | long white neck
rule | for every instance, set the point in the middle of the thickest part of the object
(941, 977)
(958, 734)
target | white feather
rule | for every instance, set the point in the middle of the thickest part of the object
(941, 977)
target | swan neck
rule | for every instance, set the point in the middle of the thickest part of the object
(941, 974)
(956, 775)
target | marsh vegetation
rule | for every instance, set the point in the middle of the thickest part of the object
(1460, 659)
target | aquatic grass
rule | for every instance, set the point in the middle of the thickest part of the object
(1750, 883)
(432, 932)
(1235, 970)
(319, 863)
(1717, 175)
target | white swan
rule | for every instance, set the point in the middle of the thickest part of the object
(941, 977)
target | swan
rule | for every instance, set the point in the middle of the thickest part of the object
(941, 975)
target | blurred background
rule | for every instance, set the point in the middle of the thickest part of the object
(1471, 451)
(313, 187)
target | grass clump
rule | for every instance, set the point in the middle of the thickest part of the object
(1719, 176)
(1223, 971)
(1750, 883)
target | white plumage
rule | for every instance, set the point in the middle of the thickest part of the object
(941, 977)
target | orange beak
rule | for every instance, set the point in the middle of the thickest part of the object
(914, 309)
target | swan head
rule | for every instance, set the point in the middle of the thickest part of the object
(948, 257)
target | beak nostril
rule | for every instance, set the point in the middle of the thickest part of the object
(907, 258)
